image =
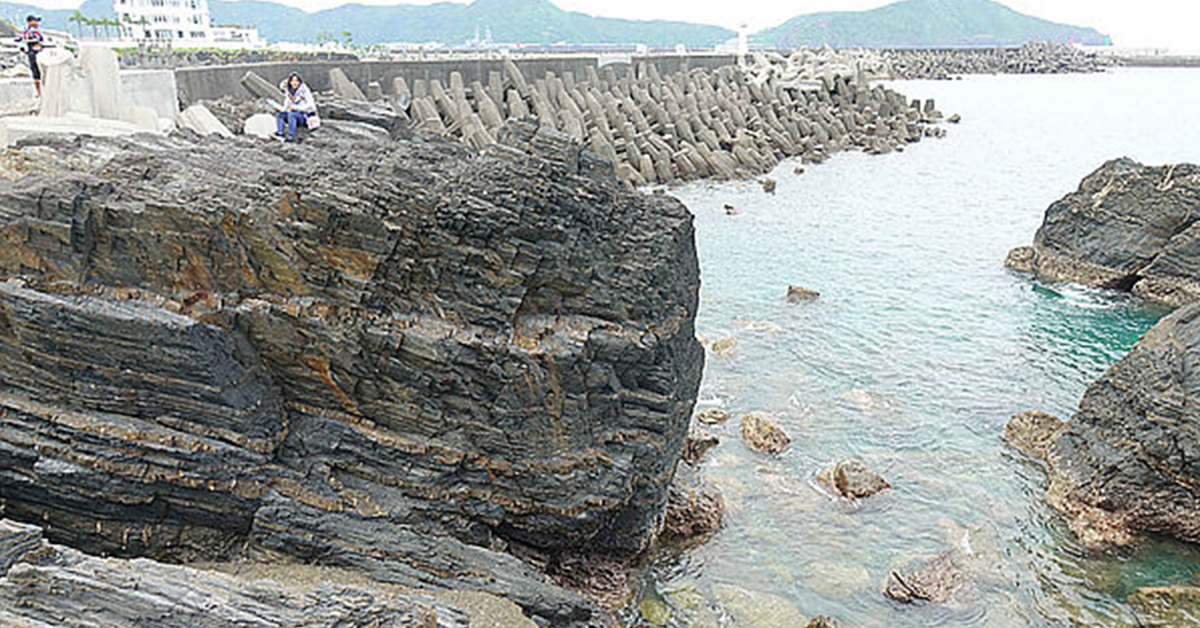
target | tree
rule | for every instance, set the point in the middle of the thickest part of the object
(78, 18)
(347, 38)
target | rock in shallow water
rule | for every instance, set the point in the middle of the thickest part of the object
(331, 348)
(698, 444)
(760, 433)
(1127, 227)
(853, 480)
(1128, 459)
(796, 294)
(1166, 607)
(935, 580)
(1032, 433)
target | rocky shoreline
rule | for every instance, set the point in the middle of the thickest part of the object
(1128, 227)
(1126, 462)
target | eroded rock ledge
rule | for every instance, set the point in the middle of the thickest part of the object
(400, 357)
(1128, 227)
(1129, 459)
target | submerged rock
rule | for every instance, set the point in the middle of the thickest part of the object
(761, 433)
(757, 609)
(1032, 433)
(1127, 460)
(935, 580)
(1128, 227)
(853, 480)
(323, 350)
(724, 346)
(1166, 607)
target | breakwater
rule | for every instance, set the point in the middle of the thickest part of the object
(688, 125)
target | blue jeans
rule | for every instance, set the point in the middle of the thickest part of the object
(289, 120)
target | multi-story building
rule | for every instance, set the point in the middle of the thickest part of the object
(183, 23)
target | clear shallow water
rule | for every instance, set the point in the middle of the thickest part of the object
(919, 350)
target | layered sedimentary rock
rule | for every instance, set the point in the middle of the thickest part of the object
(1127, 227)
(1129, 459)
(54, 586)
(393, 355)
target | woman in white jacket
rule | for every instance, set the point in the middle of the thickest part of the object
(297, 107)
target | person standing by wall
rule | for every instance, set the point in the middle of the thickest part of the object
(31, 40)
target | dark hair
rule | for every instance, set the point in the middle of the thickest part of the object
(291, 76)
(32, 18)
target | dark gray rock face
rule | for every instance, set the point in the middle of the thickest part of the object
(1127, 227)
(1129, 460)
(65, 588)
(397, 356)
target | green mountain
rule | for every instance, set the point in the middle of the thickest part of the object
(904, 24)
(527, 21)
(922, 24)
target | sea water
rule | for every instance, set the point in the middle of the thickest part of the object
(919, 350)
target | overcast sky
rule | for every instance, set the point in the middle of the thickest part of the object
(1173, 23)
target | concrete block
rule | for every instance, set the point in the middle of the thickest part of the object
(65, 87)
(15, 129)
(343, 87)
(199, 119)
(258, 86)
(99, 64)
(142, 117)
(374, 91)
(260, 125)
(151, 88)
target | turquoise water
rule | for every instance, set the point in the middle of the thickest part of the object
(919, 350)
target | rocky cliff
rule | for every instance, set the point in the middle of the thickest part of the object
(1129, 460)
(1127, 227)
(397, 356)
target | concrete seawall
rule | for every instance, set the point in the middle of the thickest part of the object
(215, 82)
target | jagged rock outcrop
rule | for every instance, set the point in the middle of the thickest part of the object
(1129, 459)
(1127, 227)
(54, 586)
(397, 356)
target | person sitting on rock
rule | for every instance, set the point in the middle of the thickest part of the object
(298, 108)
(31, 41)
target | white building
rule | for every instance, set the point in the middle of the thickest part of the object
(183, 23)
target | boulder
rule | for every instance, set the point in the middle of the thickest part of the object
(760, 433)
(1032, 433)
(691, 514)
(1128, 227)
(380, 116)
(853, 480)
(316, 351)
(724, 346)
(698, 443)
(1126, 461)
(712, 416)
(935, 580)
